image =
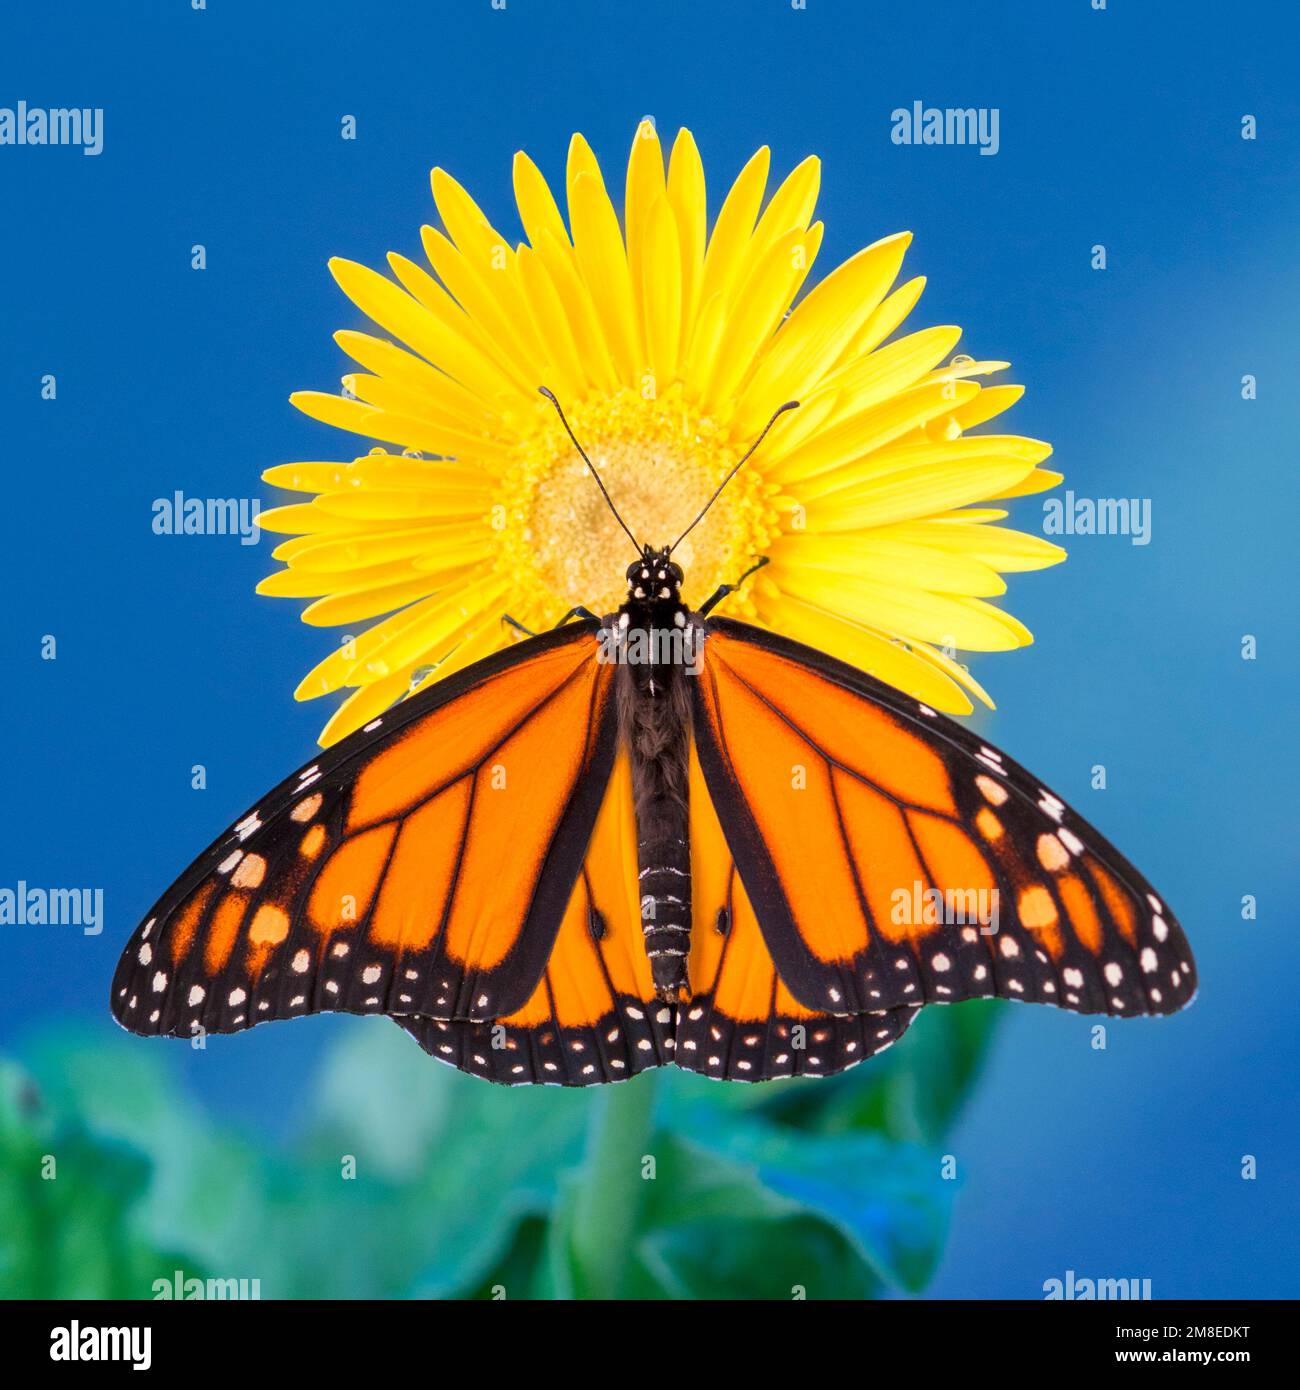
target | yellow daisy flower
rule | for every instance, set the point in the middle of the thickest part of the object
(669, 347)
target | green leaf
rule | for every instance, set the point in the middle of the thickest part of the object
(206, 1192)
(888, 1199)
(447, 1167)
(67, 1205)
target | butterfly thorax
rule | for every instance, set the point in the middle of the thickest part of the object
(656, 641)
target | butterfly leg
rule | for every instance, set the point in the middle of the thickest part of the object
(723, 590)
(518, 626)
(577, 612)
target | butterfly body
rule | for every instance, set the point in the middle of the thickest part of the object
(653, 637)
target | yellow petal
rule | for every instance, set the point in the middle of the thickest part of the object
(404, 504)
(566, 373)
(733, 228)
(1040, 480)
(341, 666)
(891, 371)
(915, 492)
(580, 312)
(946, 619)
(538, 210)
(859, 475)
(818, 330)
(467, 225)
(758, 307)
(661, 292)
(997, 546)
(392, 427)
(366, 603)
(358, 710)
(893, 309)
(501, 334)
(306, 477)
(427, 333)
(443, 395)
(339, 554)
(581, 160)
(891, 558)
(598, 249)
(645, 188)
(866, 649)
(991, 401)
(686, 197)
(442, 621)
(858, 435)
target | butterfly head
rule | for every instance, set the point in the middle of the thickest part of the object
(654, 577)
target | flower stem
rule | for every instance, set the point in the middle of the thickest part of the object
(608, 1202)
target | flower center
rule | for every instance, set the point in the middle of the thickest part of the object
(660, 463)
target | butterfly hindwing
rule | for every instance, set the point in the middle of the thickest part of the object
(742, 1023)
(593, 1016)
(422, 866)
(893, 859)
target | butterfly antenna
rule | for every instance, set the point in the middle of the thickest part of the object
(604, 491)
(789, 405)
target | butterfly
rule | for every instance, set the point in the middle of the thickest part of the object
(655, 837)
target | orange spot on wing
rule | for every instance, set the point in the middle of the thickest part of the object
(988, 824)
(1080, 912)
(1118, 903)
(269, 927)
(182, 933)
(1037, 912)
(312, 842)
(1052, 854)
(957, 867)
(223, 930)
(347, 883)
(413, 900)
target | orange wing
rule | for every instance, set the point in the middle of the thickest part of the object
(420, 867)
(893, 859)
(593, 1016)
(742, 1022)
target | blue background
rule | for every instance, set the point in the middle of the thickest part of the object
(1119, 127)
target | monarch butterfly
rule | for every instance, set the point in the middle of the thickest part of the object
(649, 838)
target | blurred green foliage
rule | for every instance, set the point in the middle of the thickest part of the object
(410, 1180)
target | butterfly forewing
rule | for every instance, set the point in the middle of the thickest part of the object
(893, 859)
(420, 867)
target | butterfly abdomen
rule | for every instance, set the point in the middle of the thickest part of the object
(654, 726)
